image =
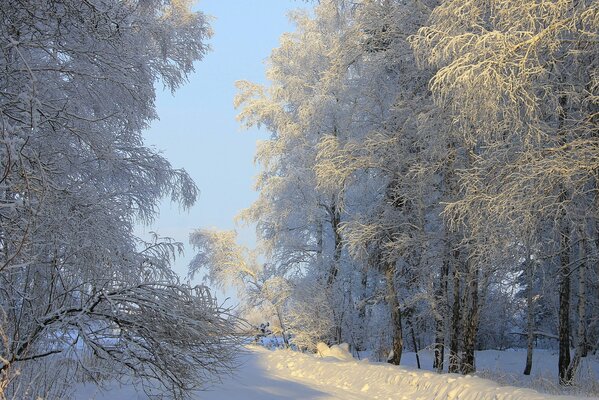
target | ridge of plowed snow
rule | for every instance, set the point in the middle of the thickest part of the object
(383, 381)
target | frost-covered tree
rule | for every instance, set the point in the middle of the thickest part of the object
(384, 159)
(521, 80)
(76, 286)
(225, 263)
(298, 224)
(461, 186)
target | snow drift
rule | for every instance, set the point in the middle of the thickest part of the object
(337, 351)
(382, 381)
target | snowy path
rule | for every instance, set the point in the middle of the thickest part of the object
(270, 375)
(255, 379)
(258, 379)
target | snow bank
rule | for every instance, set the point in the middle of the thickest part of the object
(383, 381)
(339, 352)
(506, 366)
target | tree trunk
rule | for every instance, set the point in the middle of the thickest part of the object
(454, 359)
(335, 224)
(361, 345)
(415, 345)
(439, 345)
(581, 347)
(582, 299)
(395, 315)
(471, 324)
(334, 270)
(319, 244)
(282, 324)
(565, 373)
(530, 336)
(441, 301)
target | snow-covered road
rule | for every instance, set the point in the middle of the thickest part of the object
(270, 375)
(266, 375)
(259, 377)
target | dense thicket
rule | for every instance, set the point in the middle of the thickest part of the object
(431, 179)
(80, 295)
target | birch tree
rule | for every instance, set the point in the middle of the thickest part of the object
(76, 92)
(298, 224)
(382, 149)
(521, 80)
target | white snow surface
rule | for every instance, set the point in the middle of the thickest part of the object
(285, 374)
(337, 351)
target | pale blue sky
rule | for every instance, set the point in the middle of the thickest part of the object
(197, 129)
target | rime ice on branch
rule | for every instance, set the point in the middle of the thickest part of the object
(80, 295)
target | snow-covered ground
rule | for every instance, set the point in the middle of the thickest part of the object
(282, 374)
(506, 366)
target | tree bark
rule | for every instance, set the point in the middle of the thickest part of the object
(335, 222)
(582, 300)
(361, 345)
(530, 336)
(395, 315)
(415, 344)
(441, 301)
(454, 359)
(565, 373)
(319, 244)
(581, 347)
(471, 324)
(334, 269)
(283, 329)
